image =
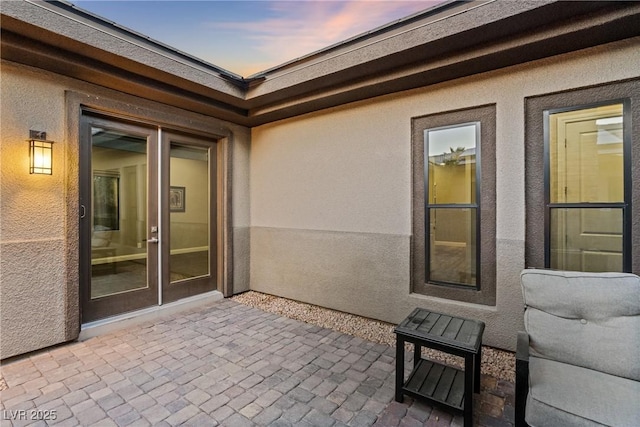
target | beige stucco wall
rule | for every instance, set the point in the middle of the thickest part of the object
(241, 202)
(32, 217)
(38, 286)
(331, 192)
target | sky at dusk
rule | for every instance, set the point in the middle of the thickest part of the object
(248, 36)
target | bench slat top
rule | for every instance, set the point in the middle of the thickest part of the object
(441, 328)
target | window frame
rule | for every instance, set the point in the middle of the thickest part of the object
(485, 290)
(476, 205)
(626, 92)
(625, 205)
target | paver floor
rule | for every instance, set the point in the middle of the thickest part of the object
(225, 364)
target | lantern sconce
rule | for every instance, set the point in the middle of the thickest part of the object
(40, 153)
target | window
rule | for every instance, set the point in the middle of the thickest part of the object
(586, 202)
(454, 205)
(580, 182)
(451, 169)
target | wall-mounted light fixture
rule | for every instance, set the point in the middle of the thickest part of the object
(40, 153)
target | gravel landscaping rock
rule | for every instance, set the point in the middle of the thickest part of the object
(496, 363)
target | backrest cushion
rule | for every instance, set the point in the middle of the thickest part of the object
(585, 319)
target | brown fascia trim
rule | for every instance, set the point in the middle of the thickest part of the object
(421, 18)
(114, 72)
(463, 30)
(581, 32)
(61, 18)
(574, 26)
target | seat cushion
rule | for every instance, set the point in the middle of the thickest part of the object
(584, 318)
(568, 395)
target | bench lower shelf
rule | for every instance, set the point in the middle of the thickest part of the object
(438, 383)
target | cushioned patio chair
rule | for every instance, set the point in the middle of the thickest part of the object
(578, 363)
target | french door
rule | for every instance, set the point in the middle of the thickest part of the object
(148, 216)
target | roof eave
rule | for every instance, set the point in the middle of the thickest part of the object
(457, 41)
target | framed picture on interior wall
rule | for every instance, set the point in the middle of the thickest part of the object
(106, 200)
(176, 199)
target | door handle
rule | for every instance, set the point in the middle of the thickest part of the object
(153, 240)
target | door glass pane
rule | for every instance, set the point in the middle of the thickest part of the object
(119, 209)
(189, 212)
(452, 165)
(586, 239)
(453, 245)
(586, 155)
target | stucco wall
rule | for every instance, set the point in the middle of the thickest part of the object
(241, 202)
(331, 192)
(32, 217)
(38, 230)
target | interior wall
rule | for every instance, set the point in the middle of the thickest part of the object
(331, 192)
(39, 285)
(190, 229)
(131, 168)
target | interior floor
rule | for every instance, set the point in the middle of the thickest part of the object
(123, 276)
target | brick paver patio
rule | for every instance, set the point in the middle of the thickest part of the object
(224, 364)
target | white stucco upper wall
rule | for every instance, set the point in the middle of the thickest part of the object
(349, 168)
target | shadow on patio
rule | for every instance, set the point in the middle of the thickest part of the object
(224, 364)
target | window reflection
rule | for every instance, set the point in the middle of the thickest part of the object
(451, 204)
(119, 211)
(452, 165)
(189, 212)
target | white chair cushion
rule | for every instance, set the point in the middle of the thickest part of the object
(590, 320)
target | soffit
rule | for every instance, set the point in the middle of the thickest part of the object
(55, 37)
(458, 31)
(459, 40)
(63, 20)
(448, 59)
(459, 25)
(114, 72)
